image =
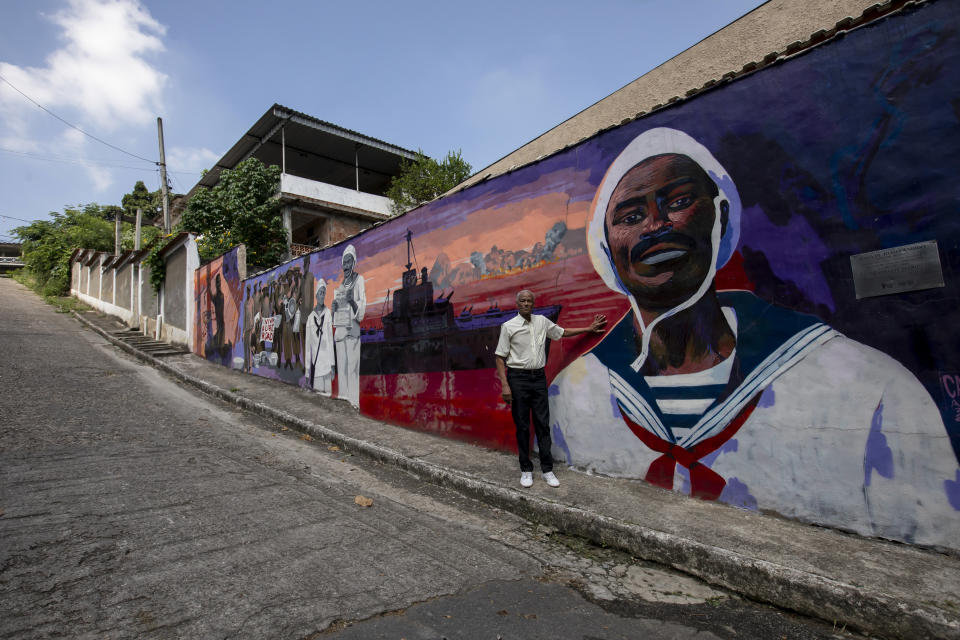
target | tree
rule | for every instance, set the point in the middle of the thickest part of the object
(241, 208)
(47, 244)
(147, 201)
(149, 204)
(423, 179)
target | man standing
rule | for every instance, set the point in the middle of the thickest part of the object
(521, 357)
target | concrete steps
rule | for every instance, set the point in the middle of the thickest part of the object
(148, 345)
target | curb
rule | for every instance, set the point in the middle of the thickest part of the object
(785, 587)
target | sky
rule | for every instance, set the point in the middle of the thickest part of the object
(484, 78)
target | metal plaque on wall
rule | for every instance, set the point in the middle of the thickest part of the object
(908, 268)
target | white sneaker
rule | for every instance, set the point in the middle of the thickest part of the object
(526, 478)
(551, 479)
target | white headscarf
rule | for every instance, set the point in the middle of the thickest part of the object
(321, 284)
(349, 251)
(655, 142)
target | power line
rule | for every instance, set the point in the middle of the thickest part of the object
(89, 162)
(84, 162)
(73, 126)
(12, 218)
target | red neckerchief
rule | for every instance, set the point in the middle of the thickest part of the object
(705, 483)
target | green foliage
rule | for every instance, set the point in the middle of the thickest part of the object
(147, 201)
(47, 244)
(62, 304)
(423, 179)
(128, 236)
(241, 208)
(153, 261)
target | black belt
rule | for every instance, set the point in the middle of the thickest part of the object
(524, 372)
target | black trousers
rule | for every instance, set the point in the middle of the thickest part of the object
(529, 389)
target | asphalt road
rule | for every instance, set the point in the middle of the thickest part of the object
(133, 507)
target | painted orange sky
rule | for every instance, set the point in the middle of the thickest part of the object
(482, 230)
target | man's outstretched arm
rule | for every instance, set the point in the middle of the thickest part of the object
(598, 325)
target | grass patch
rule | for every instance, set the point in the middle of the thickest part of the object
(65, 304)
(25, 278)
(62, 304)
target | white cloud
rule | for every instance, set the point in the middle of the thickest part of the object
(71, 143)
(190, 159)
(100, 78)
(100, 73)
(18, 143)
(185, 165)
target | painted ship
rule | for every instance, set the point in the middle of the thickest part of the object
(421, 333)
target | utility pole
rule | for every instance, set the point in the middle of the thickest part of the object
(163, 180)
(136, 241)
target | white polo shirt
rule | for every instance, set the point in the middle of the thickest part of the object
(523, 342)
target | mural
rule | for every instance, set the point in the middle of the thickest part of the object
(349, 306)
(319, 350)
(716, 235)
(218, 294)
(276, 309)
(710, 382)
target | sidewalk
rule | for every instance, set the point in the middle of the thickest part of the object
(887, 589)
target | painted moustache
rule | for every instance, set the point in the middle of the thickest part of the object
(649, 251)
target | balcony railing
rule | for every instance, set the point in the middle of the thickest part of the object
(333, 196)
(297, 250)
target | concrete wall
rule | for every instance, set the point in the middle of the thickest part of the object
(107, 285)
(94, 291)
(177, 301)
(148, 297)
(75, 275)
(96, 287)
(134, 301)
(175, 292)
(124, 286)
(739, 362)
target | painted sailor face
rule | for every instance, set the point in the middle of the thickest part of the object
(658, 225)
(348, 263)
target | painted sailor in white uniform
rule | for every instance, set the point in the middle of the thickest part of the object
(349, 306)
(726, 397)
(319, 344)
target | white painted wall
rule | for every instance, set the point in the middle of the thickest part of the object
(296, 186)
